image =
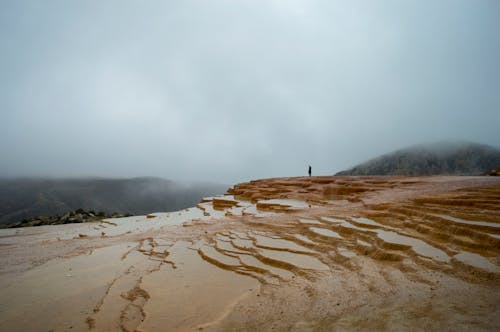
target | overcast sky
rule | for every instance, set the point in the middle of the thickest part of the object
(229, 91)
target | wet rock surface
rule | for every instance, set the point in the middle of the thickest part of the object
(319, 253)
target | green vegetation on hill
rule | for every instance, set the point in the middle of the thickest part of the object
(443, 158)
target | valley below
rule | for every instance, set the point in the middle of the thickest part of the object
(342, 253)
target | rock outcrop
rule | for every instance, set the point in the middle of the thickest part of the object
(494, 172)
(73, 217)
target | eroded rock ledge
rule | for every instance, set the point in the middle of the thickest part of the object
(319, 253)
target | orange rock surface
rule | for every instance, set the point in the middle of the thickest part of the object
(294, 254)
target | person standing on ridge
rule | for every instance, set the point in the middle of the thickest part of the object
(309, 170)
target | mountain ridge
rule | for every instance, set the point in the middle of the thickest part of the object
(24, 198)
(437, 158)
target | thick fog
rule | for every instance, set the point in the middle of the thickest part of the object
(235, 90)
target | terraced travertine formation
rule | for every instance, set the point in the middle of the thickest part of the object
(299, 254)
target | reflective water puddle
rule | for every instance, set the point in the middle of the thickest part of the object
(212, 255)
(309, 221)
(346, 224)
(363, 243)
(119, 226)
(236, 234)
(227, 246)
(243, 243)
(367, 221)
(325, 232)
(333, 220)
(419, 246)
(299, 260)
(304, 238)
(268, 242)
(468, 222)
(252, 261)
(476, 261)
(343, 223)
(346, 253)
(252, 210)
(283, 203)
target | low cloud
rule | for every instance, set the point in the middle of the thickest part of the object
(229, 91)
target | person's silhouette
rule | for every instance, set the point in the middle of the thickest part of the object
(309, 170)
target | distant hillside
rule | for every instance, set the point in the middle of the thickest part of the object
(25, 198)
(430, 159)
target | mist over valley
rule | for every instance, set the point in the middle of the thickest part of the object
(32, 197)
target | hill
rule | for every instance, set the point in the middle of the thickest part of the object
(444, 158)
(26, 198)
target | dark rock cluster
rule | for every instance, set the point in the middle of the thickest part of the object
(73, 217)
(494, 172)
